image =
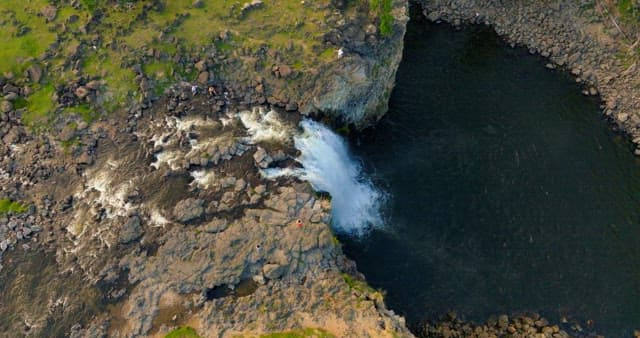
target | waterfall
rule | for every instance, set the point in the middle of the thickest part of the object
(328, 166)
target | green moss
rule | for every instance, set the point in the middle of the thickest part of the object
(382, 9)
(24, 34)
(85, 112)
(39, 105)
(357, 284)
(9, 206)
(183, 332)
(126, 31)
(300, 333)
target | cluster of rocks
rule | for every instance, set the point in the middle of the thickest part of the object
(572, 36)
(522, 326)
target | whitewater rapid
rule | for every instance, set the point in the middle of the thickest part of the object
(329, 167)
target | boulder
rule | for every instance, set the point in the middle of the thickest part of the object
(130, 231)
(188, 209)
(35, 73)
(263, 160)
(6, 106)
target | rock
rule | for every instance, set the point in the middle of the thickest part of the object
(251, 5)
(201, 65)
(622, 117)
(291, 106)
(9, 88)
(67, 133)
(130, 231)
(273, 271)
(503, 321)
(203, 77)
(6, 106)
(284, 70)
(81, 92)
(188, 209)
(35, 73)
(85, 159)
(11, 97)
(197, 4)
(93, 85)
(263, 160)
(216, 225)
(49, 12)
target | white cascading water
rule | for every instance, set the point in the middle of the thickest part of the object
(329, 167)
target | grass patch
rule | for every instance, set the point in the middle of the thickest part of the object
(9, 206)
(356, 284)
(382, 9)
(86, 113)
(110, 47)
(39, 106)
(183, 332)
(300, 333)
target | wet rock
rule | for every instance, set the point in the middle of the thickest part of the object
(130, 231)
(262, 159)
(188, 209)
(6, 106)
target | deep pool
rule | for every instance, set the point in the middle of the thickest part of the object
(508, 192)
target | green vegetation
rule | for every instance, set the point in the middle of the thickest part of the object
(357, 284)
(9, 206)
(629, 10)
(300, 333)
(183, 332)
(39, 105)
(382, 9)
(163, 36)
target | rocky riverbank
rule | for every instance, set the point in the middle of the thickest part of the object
(168, 222)
(130, 172)
(581, 37)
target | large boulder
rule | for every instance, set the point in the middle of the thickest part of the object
(188, 210)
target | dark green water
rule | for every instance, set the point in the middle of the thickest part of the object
(508, 191)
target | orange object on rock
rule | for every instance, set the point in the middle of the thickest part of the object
(299, 223)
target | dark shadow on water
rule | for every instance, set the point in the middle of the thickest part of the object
(509, 191)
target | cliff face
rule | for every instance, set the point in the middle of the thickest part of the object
(356, 88)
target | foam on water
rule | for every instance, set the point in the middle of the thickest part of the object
(264, 126)
(329, 167)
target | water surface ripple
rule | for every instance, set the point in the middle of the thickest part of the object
(508, 191)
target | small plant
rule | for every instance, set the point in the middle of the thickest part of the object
(382, 8)
(183, 332)
(9, 206)
(300, 333)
